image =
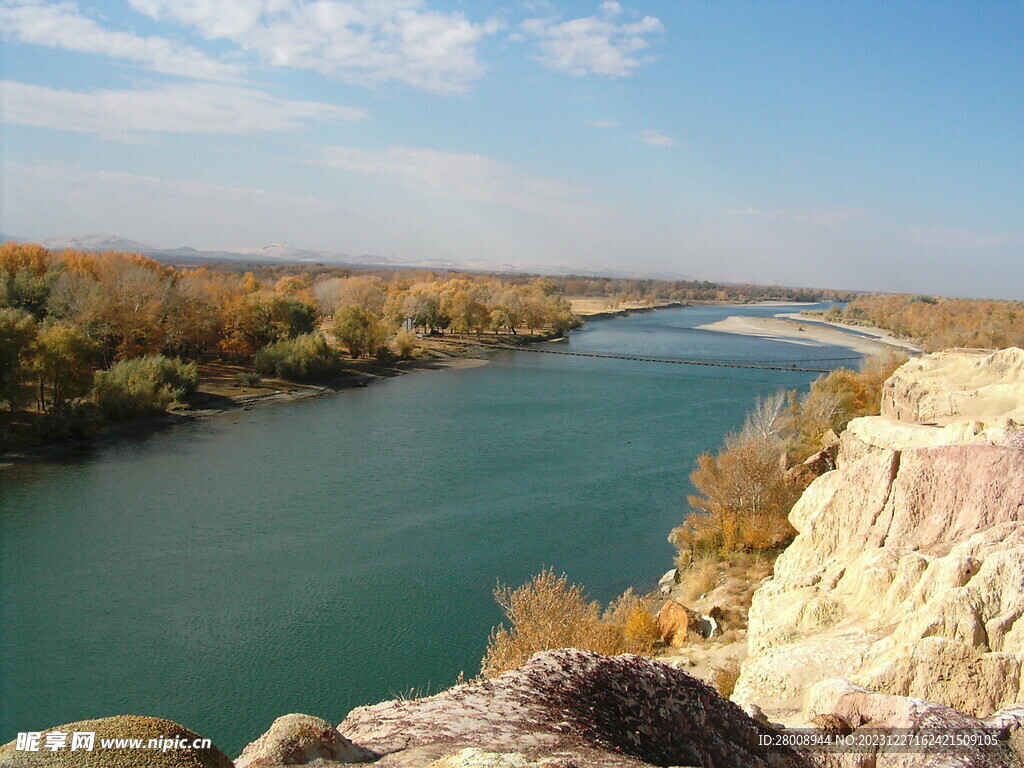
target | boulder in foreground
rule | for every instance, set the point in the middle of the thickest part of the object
(120, 727)
(572, 708)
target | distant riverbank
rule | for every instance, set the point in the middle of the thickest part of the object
(223, 388)
(794, 328)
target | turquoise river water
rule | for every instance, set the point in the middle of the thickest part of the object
(315, 556)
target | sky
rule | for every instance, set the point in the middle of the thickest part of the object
(870, 144)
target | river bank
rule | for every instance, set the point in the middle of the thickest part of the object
(222, 391)
(226, 388)
(590, 308)
(794, 328)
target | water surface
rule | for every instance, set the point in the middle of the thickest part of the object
(315, 556)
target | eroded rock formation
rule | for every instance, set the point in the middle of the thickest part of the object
(907, 574)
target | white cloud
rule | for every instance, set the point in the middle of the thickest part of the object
(176, 108)
(454, 175)
(822, 216)
(363, 41)
(593, 44)
(655, 139)
(62, 25)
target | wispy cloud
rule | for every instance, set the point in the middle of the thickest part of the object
(362, 41)
(655, 139)
(176, 108)
(454, 175)
(963, 239)
(821, 216)
(600, 45)
(604, 124)
(170, 212)
(63, 26)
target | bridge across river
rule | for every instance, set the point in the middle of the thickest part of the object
(764, 365)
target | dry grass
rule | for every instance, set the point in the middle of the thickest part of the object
(724, 677)
(699, 577)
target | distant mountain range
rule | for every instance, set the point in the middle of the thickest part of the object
(285, 253)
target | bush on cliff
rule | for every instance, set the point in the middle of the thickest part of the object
(143, 385)
(835, 399)
(304, 358)
(549, 612)
(743, 494)
(743, 499)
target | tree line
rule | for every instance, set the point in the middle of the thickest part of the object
(87, 336)
(936, 322)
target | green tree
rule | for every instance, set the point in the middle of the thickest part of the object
(18, 332)
(64, 362)
(304, 358)
(360, 331)
(143, 385)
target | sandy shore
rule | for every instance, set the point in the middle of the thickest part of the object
(879, 333)
(787, 328)
(594, 308)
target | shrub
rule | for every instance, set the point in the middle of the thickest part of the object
(143, 385)
(304, 358)
(549, 612)
(698, 576)
(405, 344)
(247, 379)
(638, 627)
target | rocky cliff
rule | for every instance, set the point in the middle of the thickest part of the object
(907, 573)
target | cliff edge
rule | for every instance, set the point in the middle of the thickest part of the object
(907, 573)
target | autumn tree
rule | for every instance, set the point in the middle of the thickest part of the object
(742, 502)
(549, 612)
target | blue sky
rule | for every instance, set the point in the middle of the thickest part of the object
(871, 144)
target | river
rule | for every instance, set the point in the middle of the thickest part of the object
(314, 556)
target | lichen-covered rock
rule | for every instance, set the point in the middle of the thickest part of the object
(572, 708)
(302, 740)
(477, 758)
(120, 727)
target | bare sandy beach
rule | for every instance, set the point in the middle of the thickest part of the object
(793, 328)
(586, 306)
(879, 333)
